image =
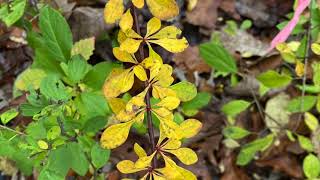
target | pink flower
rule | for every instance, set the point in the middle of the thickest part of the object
(283, 35)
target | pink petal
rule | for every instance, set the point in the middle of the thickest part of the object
(283, 35)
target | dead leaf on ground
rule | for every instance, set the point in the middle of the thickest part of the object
(231, 171)
(229, 6)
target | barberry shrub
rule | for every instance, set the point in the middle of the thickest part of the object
(158, 98)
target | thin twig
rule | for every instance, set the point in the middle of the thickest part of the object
(12, 130)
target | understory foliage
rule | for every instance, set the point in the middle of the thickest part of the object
(158, 98)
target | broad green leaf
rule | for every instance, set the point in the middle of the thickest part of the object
(46, 174)
(79, 163)
(11, 13)
(218, 57)
(53, 88)
(311, 166)
(233, 108)
(311, 121)
(302, 104)
(56, 33)
(98, 74)
(77, 69)
(201, 100)
(30, 78)
(84, 48)
(234, 132)
(36, 130)
(99, 156)
(305, 143)
(249, 150)
(178, 118)
(8, 116)
(186, 91)
(273, 79)
(95, 124)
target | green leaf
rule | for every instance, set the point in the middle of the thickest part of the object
(302, 104)
(56, 33)
(249, 150)
(95, 124)
(46, 174)
(202, 99)
(246, 24)
(30, 78)
(36, 130)
(11, 13)
(272, 79)
(92, 104)
(8, 116)
(98, 74)
(53, 88)
(79, 162)
(316, 73)
(218, 57)
(233, 108)
(234, 132)
(84, 48)
(185, 90)
(311, 121)
(99, 156)
(77, 69)
(53, 133)
(311, 166)
(305, 143)
(178, 118)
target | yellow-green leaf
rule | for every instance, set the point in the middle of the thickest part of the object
(43, 145)
(316, 48)
(140, 73)
(153, 26)
(124, 56)
(84, 48)
(172, 45)
(190, 128)
(115, 135)
(113, 11)
(126, 21)
(118, 82)
(185, 155)
(130, 45)
(311, 121)
(163, 9)
(30, 77)
(138, 3)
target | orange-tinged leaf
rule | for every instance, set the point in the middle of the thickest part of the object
(118, 82)
(126, 21)
(153, 26)
(190, 128)
(140, 73)
(163, 9)
(124, 56)
(186, 155)
(172, 45)
(169, 102)
(139, 150)
(116, 104)
(130, 45)
(127, 167)
(138, 3)
(113, 11)
(115, 135)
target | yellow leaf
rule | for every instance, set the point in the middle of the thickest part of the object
(113, 11)
(130, 45)
(172, 144)
(172, 45)
(138, 3)
(43, 145)
(115, 135)
(132, 34)
(139, 150)
(172, 171)
(126, 21)
(163, 9)
(192, 4)
(139, 118)
(84, 47)
(125, 116)
(170, 32)
(186, 155)
(190, 128)
(121, 37)
(159, 92)
(164, 78)
(118, 82)
(316, 48)
(127, 167)
(140, 73)
(156, 177)
(153, 26)
(169, 102)
(137, 101)
(299, 69)
(169, 128)
(153, 62)
(144, 162)
(162, 112)
(124, 56)
(116, 104)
